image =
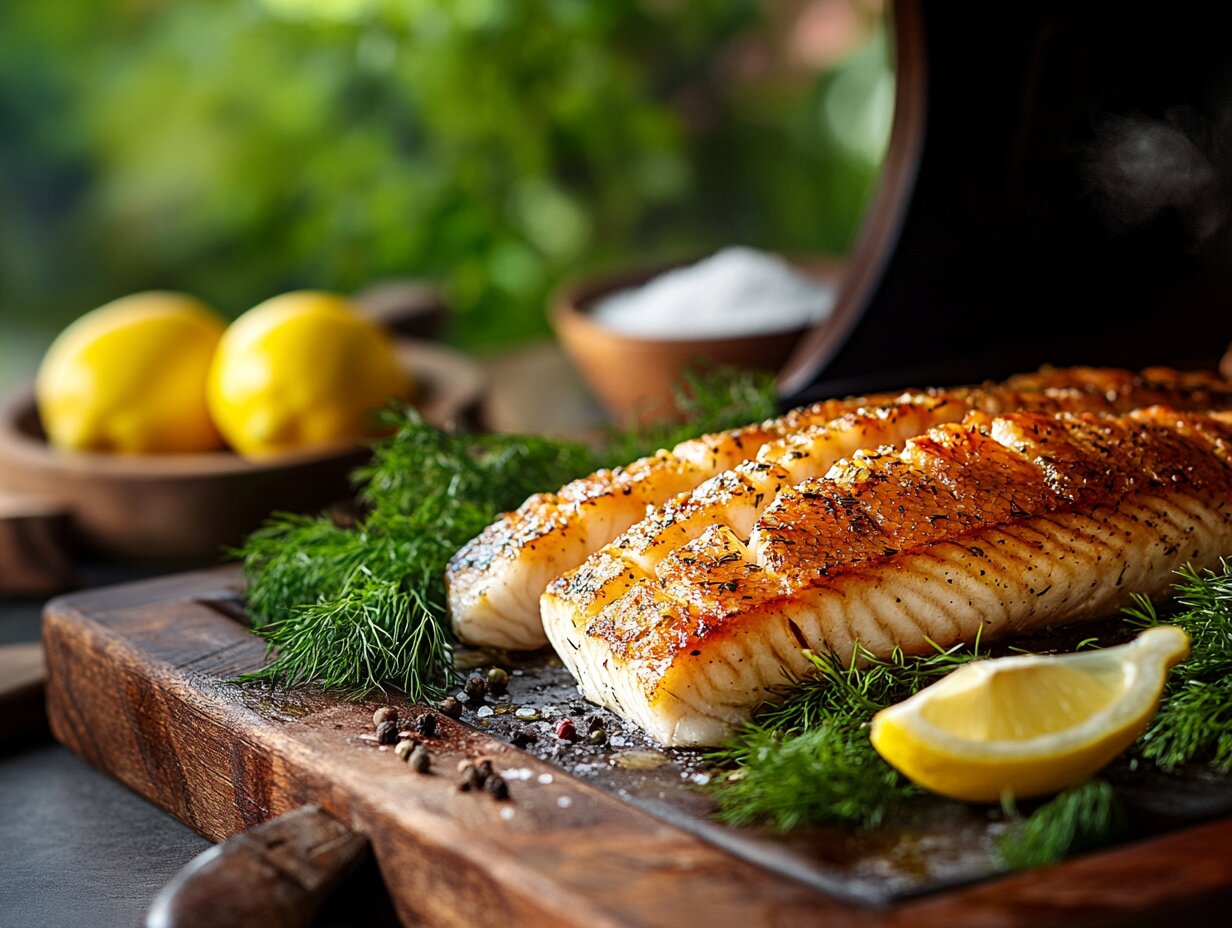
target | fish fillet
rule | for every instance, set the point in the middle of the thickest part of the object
(495, 581)
(990, 527)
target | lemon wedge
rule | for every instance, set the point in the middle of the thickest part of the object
(1031, 725)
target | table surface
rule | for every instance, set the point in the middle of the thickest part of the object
(71, 839)
(76, 847)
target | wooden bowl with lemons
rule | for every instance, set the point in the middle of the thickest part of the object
(187, 506)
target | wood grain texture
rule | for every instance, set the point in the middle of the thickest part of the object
(136, 685)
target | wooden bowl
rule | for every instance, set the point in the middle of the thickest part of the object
(187, 507)
(635, 377)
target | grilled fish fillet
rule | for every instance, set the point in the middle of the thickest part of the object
(988, 527)
(495, 581)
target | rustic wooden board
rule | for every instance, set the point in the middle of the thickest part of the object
(137, 686)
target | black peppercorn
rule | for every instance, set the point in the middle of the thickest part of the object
(450, 707)
(419, 760)
(384, 714)
(484, 768)
(522, 738)
(470, 779)
(498, 681)
(497, 787)
(426, 724)
(387, 732)
(475, 688)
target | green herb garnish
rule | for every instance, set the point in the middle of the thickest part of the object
(1082, 818)
(1194, 724)
(808, 760)
(360, 606)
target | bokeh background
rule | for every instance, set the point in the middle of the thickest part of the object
(239, 148)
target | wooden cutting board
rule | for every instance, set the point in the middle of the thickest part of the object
(138, 685)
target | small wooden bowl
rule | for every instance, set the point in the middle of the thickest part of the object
(187, 507)
(635, 377)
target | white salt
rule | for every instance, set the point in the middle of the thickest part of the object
(736, 292)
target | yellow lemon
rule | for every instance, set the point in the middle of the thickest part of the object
(130, 377)
(1029, 725)
(301, 370)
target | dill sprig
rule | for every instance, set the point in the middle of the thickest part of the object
(807, 760)
(1194, 723)
(828, 774)
(360, 606)
(1082, 818)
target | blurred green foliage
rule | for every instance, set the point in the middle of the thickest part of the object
(238, 148)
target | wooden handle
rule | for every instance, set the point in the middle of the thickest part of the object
(275, 876)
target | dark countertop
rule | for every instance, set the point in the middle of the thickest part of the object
(76, 847)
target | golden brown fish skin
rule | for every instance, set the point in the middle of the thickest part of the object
(495, 581)
(738, 498)
(970, 530)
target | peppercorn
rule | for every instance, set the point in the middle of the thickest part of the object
(403, 749)
(497, 787)
(419, 760)
(475, 688)
(484, 768)
(450, 707)
(384, 714)
(522, 738)
(598, 736)
(594, 723)
(387, 732)
(566, 730)
(498, 681)
(426, 724)
(470, 779)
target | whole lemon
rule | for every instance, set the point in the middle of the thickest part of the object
(130, 377)
(302, 370)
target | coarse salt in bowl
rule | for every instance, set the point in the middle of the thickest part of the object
(734, 293)
(633, 336)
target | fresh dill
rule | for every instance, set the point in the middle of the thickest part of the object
(357, 607)
(826, 775)
(1194, 723)
(360, 606)
(1081, 818)
(807, 760)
